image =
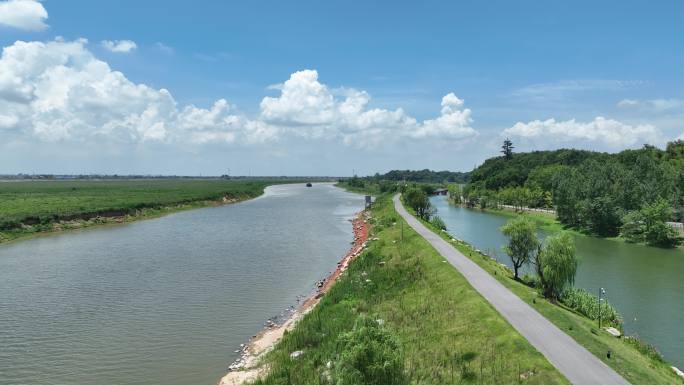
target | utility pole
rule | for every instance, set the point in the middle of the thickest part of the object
(602, 291)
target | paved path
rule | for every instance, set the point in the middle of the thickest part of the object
(576, 363)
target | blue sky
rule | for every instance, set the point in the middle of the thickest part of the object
(549, 74)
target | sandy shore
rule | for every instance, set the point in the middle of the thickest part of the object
(249, 367)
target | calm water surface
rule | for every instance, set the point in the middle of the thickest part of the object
(646, 284)
(164, 301)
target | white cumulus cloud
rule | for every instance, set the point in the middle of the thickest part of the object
(601, 130)
(119, 46)
(309, 108)
(23, 14)
(59, 91)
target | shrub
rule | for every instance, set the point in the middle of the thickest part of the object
(530, 280)
(587, 304)
(438, 223)
(370, 355)
(644, 348)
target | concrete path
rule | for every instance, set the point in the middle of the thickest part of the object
(576, 363)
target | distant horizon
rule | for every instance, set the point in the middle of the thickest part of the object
(239, 176)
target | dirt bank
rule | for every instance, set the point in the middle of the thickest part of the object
(249, 367)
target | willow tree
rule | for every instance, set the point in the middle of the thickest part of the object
(522, 243)
(556, 265)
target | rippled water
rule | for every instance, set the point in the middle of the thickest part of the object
(646, 284)
(164, 301)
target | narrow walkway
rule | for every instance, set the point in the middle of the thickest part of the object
(576, 363)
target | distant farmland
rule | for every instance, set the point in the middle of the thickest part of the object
(44, 202)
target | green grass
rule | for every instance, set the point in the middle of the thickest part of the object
(542, 220)
(448, 333)
(32, 207)
(549, 223)
(632, 361)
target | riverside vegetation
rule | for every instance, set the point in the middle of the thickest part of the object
(401, 315)
(576, 312)
(632, 193)
(30, 207)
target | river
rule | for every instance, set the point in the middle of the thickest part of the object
(644, 283)
(168, 300)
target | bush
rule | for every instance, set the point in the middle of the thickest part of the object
(438, 223)
(530, 280)
(644, 348)
(370, 355)
(587, 304)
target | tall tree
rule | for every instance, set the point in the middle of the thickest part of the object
(507, 149)
(556, 265)
(418, 200)
(522, 243)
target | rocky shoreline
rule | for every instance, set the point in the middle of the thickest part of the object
(248, 367)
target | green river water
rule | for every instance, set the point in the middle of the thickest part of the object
(646, 284)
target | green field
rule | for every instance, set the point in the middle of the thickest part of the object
(446, 332)
(29, 207)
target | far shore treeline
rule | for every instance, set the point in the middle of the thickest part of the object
(632, 193)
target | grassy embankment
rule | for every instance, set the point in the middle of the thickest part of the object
(34, 207)
(548, 222)
(447, 332)
(629, 357)
(545, 221)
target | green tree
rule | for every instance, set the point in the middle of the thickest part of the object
(454, 192)
(675, 149)
(656, 231)
(507, 149)
(369, 355)
(649, 225)
(633, 227)
(556, 265)
(522, 243)
(418, 200)
(542, 176)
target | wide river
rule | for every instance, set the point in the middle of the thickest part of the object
(168, 300)
(645, 284)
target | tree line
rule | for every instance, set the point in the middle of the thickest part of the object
(633, 193)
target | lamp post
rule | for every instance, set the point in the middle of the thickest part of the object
(602, 292)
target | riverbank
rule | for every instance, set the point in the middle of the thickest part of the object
(442, 330)
(548, 222)
(250, 366)
(30, 209)
(633, 359)
(32, 231)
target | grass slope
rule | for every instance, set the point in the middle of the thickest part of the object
(449, 334)
(635, 367)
